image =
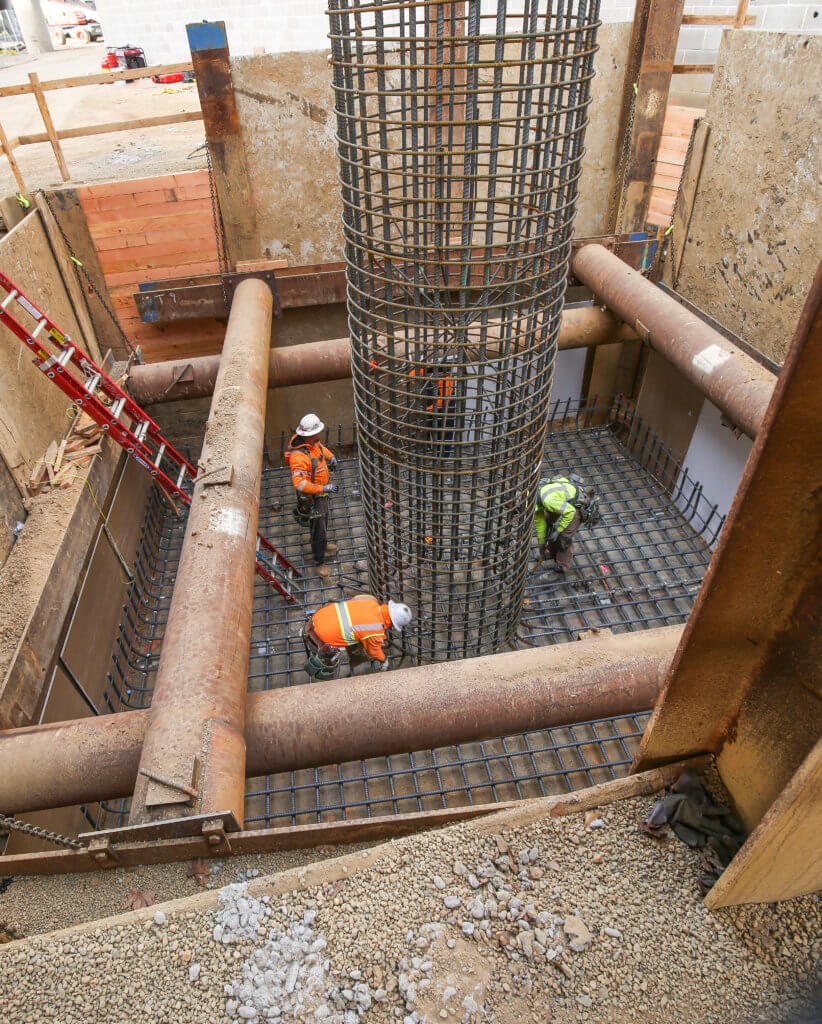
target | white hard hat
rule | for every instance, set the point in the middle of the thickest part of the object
(400, 614)
(309, 425)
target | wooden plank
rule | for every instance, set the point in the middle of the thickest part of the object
(15, 167)
(146, 217)
(717, 19)
(210, 56)
(693, 69)
(249, 266)
(653, 87)
(69, 276)
(69, 214)
(45, 113)
(113, 126)
(497, 816)
(97, 79)
(741, 14)
(129, 186)
(687, 193)
(783, 855)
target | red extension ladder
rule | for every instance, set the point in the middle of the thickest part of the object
(107, 404)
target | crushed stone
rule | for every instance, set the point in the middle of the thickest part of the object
(379, 945)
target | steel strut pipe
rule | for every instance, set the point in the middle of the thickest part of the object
(738, 385)
(193, 756)
(97, 758)
(321, 361)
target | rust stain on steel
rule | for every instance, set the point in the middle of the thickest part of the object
(97, 758)
(213, 75)
(734, 382)
(321, 361)
(195, 732)
(764, 573)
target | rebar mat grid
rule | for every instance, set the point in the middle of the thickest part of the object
(639, 568)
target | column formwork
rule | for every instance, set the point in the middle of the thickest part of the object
(460, 134)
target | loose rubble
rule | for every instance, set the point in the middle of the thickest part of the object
(547, 933)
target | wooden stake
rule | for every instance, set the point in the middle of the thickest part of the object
(741, 11)
(15, 167)
(45, 113)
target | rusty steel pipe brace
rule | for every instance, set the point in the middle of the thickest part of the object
(738, 385)
(193, 753)
(97, 758)
(320, 361)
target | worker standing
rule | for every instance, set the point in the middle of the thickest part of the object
(311, 464)
(358, 625)
(562, 505)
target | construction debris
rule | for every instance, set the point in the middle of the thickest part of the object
(63, 463)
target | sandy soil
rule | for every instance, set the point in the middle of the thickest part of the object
(130, 154)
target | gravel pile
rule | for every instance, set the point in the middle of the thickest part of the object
(562, 920)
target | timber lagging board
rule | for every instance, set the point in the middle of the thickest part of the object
(153, 229)
(670, 162)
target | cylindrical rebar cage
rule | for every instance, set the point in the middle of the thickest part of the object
(460, 131)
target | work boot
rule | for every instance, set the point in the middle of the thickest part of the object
(331, 549)
(322, 571)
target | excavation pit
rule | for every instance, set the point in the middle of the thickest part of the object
(639, 568)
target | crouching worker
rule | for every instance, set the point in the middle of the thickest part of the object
(357, 625)
(562, 506)
(311, 464)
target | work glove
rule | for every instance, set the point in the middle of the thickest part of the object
(553, 536)
(332, 462)
(379, 666)
(330, 489)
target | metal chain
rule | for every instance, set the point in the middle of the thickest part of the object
(618, 194)
(81, 270)
(219, 233)
(15, 825)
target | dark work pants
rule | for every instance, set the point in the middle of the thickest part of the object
(315, 509)
(562, 549)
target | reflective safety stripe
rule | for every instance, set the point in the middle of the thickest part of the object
(301, 485)
(346, 626)
(555, 487)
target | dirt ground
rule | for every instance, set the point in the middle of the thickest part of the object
(130, 154)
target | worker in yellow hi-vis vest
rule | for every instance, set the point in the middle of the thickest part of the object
(562, 506)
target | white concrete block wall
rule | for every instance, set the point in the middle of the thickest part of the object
(280, 25)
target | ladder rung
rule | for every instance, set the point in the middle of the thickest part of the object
(159, 458)
(117, 408)
(65, 356)
(39, 329)
(141, 431)
(181, 476)
(93, 384)
(12, 295)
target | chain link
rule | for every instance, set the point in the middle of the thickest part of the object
(219, 233)
(9, 824)
(81, 270)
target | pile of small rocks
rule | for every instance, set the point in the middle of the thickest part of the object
(569, 919)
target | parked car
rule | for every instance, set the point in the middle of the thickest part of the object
(75, 20)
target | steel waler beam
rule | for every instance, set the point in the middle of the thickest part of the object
(97, 758)
(193, 755)
(321, 361)
(734, 382)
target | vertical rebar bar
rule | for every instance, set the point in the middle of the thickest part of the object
(460, 129)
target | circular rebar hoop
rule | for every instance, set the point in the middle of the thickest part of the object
(460, 133)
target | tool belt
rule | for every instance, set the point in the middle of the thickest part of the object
(314, 645)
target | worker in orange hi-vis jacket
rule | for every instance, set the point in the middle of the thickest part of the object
(311, 464)
(357, 625)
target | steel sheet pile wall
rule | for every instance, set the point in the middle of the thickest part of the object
(460, 130)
